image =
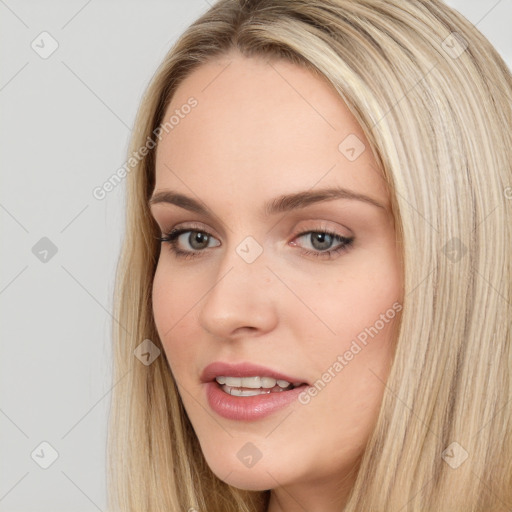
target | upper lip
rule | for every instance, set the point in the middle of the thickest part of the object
(220, 368)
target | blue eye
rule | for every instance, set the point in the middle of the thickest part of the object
(198, 240)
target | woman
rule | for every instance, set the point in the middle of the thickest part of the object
(314, 293)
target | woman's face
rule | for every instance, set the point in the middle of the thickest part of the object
(257, 281)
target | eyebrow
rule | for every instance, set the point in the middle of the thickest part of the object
(281, 204)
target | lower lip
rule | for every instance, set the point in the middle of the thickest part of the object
(249, 408)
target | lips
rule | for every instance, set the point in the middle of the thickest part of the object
(248, 404)
(220, 368)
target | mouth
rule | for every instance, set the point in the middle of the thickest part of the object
(254, 385)
(249, 376)
(248, 392)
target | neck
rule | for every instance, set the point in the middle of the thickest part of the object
(312, 497)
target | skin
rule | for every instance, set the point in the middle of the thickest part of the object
(262, 129)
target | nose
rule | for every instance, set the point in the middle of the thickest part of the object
(239, 300)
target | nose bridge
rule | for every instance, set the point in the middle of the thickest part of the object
(246, 258)
(239, 296)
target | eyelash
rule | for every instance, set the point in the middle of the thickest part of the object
(172, 236)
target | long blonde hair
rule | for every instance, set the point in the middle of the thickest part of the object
(434, 100)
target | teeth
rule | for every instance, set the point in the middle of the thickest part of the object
(245, 382)
(251, 382)
(245, 392)
(267, 382)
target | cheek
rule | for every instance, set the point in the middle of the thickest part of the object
(348, 337)
(173, 300)
(163, 301)
(347, 303)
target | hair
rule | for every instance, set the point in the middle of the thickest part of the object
(438, 117)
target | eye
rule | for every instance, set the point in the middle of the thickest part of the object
(321, 241)
(197, 240)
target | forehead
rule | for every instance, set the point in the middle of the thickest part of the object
(260, 128)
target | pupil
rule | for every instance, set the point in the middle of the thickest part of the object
(324, 239)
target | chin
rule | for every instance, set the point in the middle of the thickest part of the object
(256, 478)
(247, 480)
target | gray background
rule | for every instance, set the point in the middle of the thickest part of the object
(66, 121)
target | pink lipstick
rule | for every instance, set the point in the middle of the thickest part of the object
(248, 392)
